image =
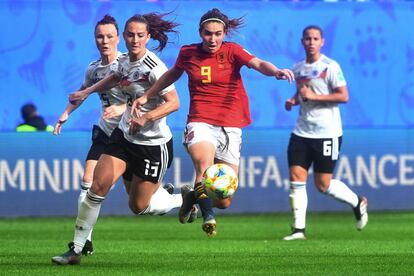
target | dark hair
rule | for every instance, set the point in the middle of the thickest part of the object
(107, 20)
(216, 15)
(28, 110)
(312, 27)
(157, 27)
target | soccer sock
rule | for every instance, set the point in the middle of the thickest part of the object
(340, 191)
(162, 202)
(205, 203)
(299, 203)
(84, 189)
(87, 217)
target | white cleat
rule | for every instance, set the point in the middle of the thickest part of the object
(361, 213)
(297, 234)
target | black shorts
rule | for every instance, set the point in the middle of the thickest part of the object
(322, 153)
(149, 163)
(99, 143)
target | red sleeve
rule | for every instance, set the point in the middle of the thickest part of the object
(241, 55)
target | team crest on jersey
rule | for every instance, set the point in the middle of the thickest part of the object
(96, 77)
(221, 57)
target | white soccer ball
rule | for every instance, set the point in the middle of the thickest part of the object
(220, 181)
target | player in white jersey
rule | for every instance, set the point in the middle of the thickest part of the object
(317, 136)
(113, 104)
(143, 142)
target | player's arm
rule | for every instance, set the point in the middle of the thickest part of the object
(65, 115)
(269, 69)
(164, 81)
(171, 104)
(338, 95)
(289, 103)
(103, 85)
(113, 111)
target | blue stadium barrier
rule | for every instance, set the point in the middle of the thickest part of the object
(40, 174)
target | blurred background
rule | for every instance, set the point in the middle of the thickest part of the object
(47, 45)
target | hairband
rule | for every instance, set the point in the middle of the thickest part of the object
(213, 19)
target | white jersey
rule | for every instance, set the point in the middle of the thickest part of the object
(137, 77)
(96, 72)
(319, 119)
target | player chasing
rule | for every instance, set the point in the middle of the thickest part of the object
(113, 105)
(317, 136)
(144, 145)
(219, 106)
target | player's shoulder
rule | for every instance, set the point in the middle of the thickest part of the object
(298, 64)
(94, 63)
(151, 60)
(190, 48)
(326, 60)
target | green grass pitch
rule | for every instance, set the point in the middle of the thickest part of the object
(245, 245)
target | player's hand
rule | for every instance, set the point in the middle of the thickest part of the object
(78, 97)
(113, 111)
(306, 92)
(58, 126)
(136, 123)
(290, 103)
(285, 74)
(136, 105)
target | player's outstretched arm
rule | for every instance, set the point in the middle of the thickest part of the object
(103, 85)
(268, 69)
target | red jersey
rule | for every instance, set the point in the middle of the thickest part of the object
(217, 94)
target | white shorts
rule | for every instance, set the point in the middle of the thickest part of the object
(226, 140)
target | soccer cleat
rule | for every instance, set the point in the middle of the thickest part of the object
(186, 208)
(87, 248)
(169, 187)
(70, 257)
(297, 234)
(361, 213)
(209, 226)
(193, 214)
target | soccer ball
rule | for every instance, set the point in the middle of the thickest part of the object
(220, 181)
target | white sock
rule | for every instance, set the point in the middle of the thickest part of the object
(299, 203)
(162, 202)
(84, 189)
(87, 217)
(340, 191)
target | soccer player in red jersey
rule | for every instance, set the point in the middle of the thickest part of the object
(219, 106)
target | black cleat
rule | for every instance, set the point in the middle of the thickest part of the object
(361, 213)
(186, 209)
(87, 248)
(297, 234)
(70, 257)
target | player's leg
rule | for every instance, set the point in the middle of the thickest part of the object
(149, 165)
(99, 142)
(323, 168)
(107, 171)
(228, 152)
(299, 160)
(202, 154)
(201, 144)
